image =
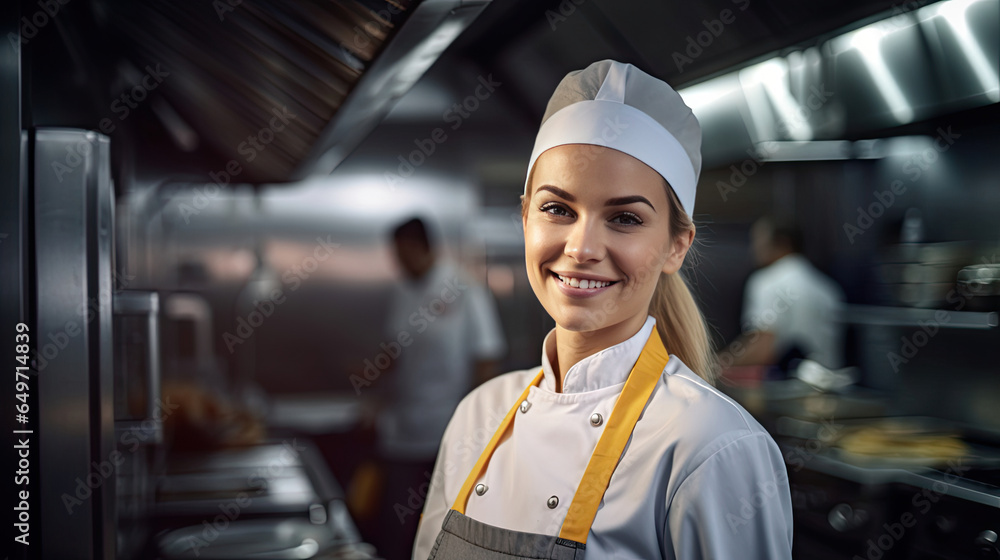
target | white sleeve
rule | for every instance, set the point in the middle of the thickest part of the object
(758, 298)
(736, 504)
(486, 338)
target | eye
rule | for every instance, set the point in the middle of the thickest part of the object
(627, 219)
(555, 209)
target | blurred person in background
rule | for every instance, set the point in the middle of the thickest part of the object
(790, 309)
(454, 340)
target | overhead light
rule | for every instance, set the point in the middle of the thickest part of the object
(826, 150)
(954, 12)
(815, 150)
(765, 86)
(701, 97)
(868, 42)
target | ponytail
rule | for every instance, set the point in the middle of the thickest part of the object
(682, 326)
(679, 322)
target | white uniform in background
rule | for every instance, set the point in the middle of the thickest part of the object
(699, 479)
(451, 322)
(800, 305)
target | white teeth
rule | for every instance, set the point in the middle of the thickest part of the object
(585, 284)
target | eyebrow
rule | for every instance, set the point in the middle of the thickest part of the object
(620, 201)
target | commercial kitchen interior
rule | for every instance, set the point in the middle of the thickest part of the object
(166, 163)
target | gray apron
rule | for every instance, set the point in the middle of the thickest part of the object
(464, 538)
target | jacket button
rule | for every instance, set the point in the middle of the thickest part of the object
(481, 489)
(525, 405)
(596, 419)
(553, 502)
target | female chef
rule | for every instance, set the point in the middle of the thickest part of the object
(617, 446)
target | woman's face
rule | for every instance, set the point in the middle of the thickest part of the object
(597, 236)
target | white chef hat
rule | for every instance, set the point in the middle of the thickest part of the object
(618, 106)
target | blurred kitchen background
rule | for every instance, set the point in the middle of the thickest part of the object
(167, 164)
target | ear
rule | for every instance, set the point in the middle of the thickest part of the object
(678, 250)
(524, 215)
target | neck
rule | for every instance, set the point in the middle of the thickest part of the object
(573, 346)
(780, 254)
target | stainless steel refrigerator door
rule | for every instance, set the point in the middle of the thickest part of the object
(74, 202)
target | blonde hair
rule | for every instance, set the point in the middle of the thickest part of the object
(679, 321)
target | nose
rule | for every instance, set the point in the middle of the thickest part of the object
(585, 242)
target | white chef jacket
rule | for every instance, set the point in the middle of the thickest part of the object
(699, 479)
(798, 304)
(451, 321)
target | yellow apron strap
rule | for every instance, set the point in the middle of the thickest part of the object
(639, 386)
(484, 458)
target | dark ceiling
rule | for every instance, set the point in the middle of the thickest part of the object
(528, 45)
(531, 44)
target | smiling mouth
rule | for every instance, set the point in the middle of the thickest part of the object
(583, 283)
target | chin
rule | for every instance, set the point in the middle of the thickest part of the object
(581, 320)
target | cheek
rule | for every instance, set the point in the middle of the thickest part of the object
(640, 263)
(540, 244)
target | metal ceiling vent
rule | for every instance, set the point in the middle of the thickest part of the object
(287, 89)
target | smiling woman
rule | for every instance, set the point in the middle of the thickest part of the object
(618, 445)
(609, 232)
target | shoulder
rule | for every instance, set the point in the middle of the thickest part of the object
(502, 388)
(701, 420)
(474, 422)
(486, 405)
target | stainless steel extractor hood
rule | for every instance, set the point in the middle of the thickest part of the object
(281, 89)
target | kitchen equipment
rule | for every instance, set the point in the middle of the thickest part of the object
(264, 539)
(275, 500)
(890, 506)
(980, 285)
(98, 360)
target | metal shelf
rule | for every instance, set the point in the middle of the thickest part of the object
(916, 317)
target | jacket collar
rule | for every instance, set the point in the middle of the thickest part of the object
(608, 367)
